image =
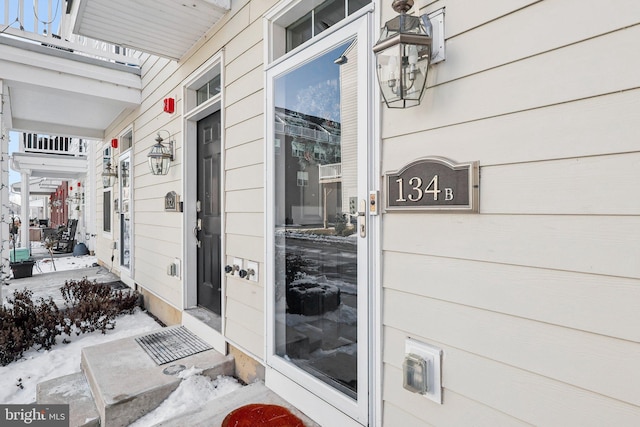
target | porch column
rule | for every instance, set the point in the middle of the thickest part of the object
(24, 211)
(90, 192)
(46, 209)
(4, 194)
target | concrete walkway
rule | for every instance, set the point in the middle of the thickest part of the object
(100, 396)
(48, 284)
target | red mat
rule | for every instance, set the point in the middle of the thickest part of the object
(260, 415)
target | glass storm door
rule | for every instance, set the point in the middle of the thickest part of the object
(319, 234)
(208, 215)
(125, 211)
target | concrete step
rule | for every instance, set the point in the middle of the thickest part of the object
(126, 383)
(214, 412)
(72, 390)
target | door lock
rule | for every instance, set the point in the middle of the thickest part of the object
(373, 202)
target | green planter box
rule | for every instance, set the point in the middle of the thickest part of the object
(19, 254)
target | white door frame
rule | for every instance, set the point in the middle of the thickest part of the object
(192, 113)
(320, 401)
(126, 273)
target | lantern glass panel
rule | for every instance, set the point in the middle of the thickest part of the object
(402, 60)
(159, 159)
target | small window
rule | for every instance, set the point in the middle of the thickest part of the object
(297, 149)
(303, 178)
(106, 159)
(126, 141)
(106, 211)
(208, 90)
(320, 18)
(319, 154)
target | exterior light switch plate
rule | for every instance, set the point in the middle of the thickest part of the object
(433, 357)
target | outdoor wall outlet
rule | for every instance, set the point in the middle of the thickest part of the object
(252, 271)
(173, 269)
(113, 245)
(178, 264)
(422, 369)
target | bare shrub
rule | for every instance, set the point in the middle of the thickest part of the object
(89, 307)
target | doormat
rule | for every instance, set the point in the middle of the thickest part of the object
(172, 344)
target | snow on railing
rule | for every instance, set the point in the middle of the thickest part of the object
(43, 22)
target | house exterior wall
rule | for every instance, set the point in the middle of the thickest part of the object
(533, 299)
(158, 235)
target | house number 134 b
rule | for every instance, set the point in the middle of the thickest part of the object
(416, 191)
(433, 183)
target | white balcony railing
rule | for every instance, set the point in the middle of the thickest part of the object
(46, 22)
(307, 133)
(332, 171)
(49, 144)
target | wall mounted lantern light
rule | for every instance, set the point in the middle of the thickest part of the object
(161, 156)
(109, 175)
(403, 55)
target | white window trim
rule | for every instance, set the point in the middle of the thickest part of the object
(286, 13)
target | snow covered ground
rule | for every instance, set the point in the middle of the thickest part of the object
(18, 380)
(46, 265)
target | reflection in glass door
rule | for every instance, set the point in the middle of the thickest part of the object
(318, 250)
(125, 211)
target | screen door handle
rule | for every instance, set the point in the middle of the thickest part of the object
(362, 218)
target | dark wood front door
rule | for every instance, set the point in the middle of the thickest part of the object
(209, 170)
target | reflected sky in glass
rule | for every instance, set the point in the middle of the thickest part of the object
(313, 88)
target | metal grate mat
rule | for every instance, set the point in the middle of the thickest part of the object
(172, 344)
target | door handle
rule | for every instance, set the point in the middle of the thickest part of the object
(362, 218)
(196, 229)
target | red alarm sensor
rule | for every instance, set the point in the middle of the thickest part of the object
(169, 105)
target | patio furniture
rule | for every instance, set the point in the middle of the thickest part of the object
(66, 238)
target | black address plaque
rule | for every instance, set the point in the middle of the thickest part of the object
(434, 183)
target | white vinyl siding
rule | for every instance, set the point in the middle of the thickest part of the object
(533, 300)
(244, 169)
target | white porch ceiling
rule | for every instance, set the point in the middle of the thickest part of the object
(166, 28)
(50, 166)
(51, 91)
(38, 186)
